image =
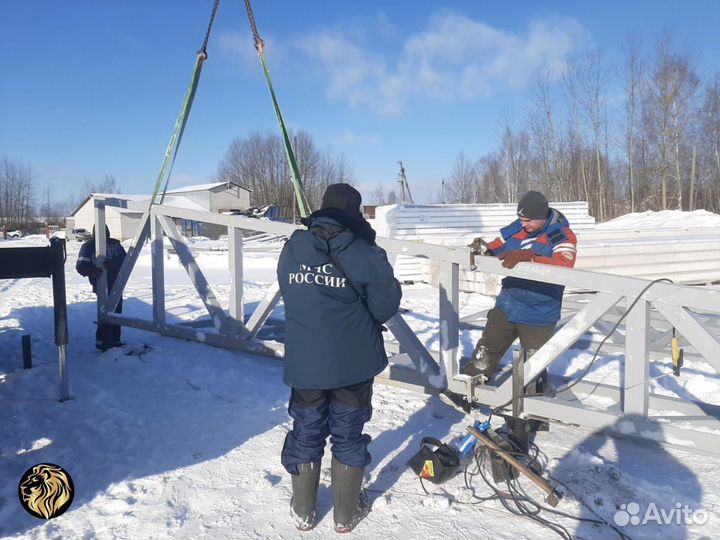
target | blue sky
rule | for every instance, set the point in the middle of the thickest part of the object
(90, 88)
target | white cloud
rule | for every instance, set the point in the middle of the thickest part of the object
(238, 46)
(352, 138)
(454, 58)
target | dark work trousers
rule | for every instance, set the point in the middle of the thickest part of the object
(499, 335)
(108, 335)
(340, 413)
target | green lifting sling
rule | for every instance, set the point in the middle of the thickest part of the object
(302, 202)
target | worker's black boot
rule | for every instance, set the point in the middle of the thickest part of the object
(478, 365)
(350, 503)
(304, 497)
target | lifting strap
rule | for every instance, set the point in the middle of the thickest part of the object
(174, 144)
(303, 205)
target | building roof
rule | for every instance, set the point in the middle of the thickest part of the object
(185, 203)
(119, 196)
(207, 187)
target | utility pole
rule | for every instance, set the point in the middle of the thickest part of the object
(442, 191)
(404, 186)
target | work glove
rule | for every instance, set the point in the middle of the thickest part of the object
(95, 272)
(511, 258)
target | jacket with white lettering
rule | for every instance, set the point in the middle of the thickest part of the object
(533, 302)
(333, 319)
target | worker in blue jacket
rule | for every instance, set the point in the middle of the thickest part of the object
(338, 289)
(106, 335)
(525, 309)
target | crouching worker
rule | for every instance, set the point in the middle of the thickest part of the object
(106, 335)
(338, 289)
(524, 308)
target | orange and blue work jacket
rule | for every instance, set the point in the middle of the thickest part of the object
(533, 302)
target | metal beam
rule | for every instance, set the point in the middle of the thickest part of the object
(100, 254)
(449, 309)
(235, 253)
(157, 250)
(258, 347)
(263, 310)
(563, 339)
(637, 356)
(411, 346)
(698, 298)
(690, 327)
(207, 295)
(626, 426)
(133, 252)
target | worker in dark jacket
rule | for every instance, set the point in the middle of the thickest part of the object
(338, 289)
(524, 308)
(106, 335)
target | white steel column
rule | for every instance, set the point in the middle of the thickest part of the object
(235, 252)
(637, 356)
(449, 307)
(158, 271)
(100, 254)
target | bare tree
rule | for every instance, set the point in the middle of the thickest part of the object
(547, 141)
(493, 182)
(667, 106)
(710, 145)
(515, 158)
(378, 196)
(463, 185)
(633, 76)
(259, 162)
(107, 185)
(17, 194)
(594, 76)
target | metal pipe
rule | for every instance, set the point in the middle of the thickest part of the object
(64, 386)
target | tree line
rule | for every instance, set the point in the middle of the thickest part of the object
(27, 205)
(662, 151)
(17, 194)
(259, 163)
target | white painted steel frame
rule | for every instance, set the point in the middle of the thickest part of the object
(633, 401)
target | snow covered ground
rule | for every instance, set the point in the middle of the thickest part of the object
(183, 440)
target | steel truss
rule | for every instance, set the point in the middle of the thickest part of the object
(636, 411)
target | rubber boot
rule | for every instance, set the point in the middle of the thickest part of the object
(350, 502)
(304, 497)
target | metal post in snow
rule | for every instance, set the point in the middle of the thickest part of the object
(100, 254)
(449, 309)
(57, 257)
(158, 271)
(235, 252)
(637, 360)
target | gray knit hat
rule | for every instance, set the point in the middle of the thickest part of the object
(533, 205)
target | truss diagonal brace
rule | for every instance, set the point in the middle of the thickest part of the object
(563, 339)
(128, 264)
(207, 295)
(693, 330)
(411, 345)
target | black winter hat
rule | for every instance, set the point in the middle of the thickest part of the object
(343, 197)
(533, 205)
